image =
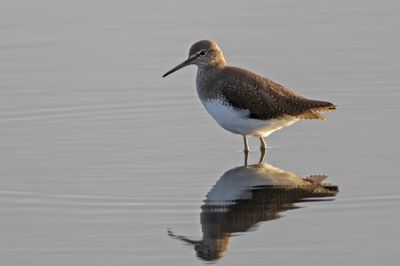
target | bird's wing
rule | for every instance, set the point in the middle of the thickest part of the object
(266, 99)
(282, 90)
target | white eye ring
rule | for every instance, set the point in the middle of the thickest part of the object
(202, 53)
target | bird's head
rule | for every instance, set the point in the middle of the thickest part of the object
(203, 53)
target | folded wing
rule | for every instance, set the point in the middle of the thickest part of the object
(266, 99)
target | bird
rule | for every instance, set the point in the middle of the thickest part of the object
(243, 102)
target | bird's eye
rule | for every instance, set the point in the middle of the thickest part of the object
(202, 53)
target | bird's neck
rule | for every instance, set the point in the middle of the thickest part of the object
(206, 79)
(207, 75)
(211, 68)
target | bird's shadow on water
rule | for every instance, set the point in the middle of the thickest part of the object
(246, 195)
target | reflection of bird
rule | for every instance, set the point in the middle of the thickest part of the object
(243, 102)
(245, 196)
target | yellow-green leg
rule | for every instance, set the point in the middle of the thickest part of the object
(263, 149)
(246, 145)
(246, 158)
(263, 144)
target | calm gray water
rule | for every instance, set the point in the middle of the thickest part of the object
(103, 162)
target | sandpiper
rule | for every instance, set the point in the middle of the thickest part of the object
(245, 103)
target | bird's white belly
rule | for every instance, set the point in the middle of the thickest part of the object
(238, 121)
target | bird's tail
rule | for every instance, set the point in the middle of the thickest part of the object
(315, 110)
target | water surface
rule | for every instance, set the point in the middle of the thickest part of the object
(100, 156)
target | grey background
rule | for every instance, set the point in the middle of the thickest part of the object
(99, 155)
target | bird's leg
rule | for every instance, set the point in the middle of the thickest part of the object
(262, 155)
(246, 158)
(246, 145)
(263, 144)
(246, 150)
(263, 149)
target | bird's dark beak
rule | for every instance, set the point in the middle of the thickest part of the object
(181, 65)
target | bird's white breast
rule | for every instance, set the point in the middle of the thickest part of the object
(237, 121)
